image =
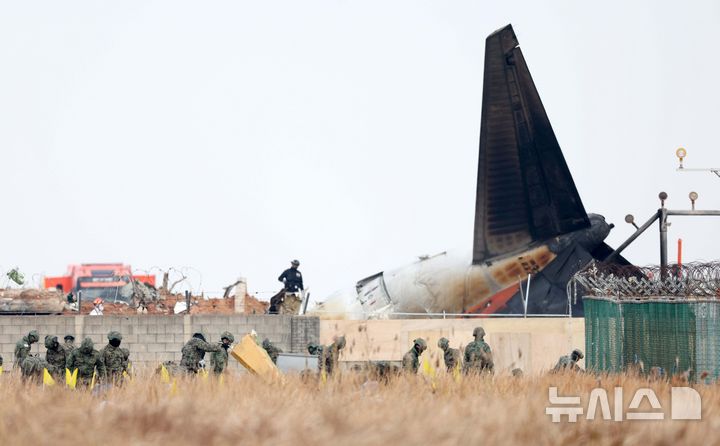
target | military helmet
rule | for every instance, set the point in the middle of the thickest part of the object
(479, 332)
(227, 335)
(420, 342)
(266, 343)
(69, 338)
(295, 262)
(340, 342)
(313, 348)
(51, 341)
(577, 352)
(33, 336)
(199, 336)
(87, 346)
(443, 343)
(114, 335)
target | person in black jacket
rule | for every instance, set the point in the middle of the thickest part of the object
(292, 278)
(292, 283)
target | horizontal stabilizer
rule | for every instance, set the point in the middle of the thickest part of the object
(603, 251)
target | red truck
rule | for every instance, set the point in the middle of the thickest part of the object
(103, 280)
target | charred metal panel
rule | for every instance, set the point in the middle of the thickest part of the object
(525, 192)
(372, 293)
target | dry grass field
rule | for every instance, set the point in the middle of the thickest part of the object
(347, 410)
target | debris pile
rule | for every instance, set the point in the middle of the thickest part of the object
(139, 293)
(134, 298)
(255, 306)
(30, 301)
(166, 305)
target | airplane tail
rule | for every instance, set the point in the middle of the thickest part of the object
(525, 192)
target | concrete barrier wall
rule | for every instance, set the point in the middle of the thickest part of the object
(154, 339)
(533, 344)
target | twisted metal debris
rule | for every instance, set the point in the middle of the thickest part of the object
(691, 281)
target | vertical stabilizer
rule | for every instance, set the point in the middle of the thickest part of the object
(525, 192)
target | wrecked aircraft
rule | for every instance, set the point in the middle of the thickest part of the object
(530, 223)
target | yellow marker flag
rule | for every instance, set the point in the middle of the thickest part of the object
(47, 378)
(456, 374)
(126, 376)
(221, 380)
(92, 381)
(1, 370)
(174, 388)
(427, 369)
(164, 374)
(323, 376)
(71, 378)
(204, 374)
(429, 372)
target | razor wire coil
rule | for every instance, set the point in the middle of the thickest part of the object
(691, 281)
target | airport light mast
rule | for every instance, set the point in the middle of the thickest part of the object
(663, 213)
(681, 153)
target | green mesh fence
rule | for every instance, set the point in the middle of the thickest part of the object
(676, 335)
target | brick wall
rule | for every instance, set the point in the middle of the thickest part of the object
(154, 339)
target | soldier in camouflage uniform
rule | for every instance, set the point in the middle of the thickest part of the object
(411, 360)
(22, 347)
(55, 356)
(219, 359)
(69, 344)
(32, 368)
(478, 355)
(451, 355)
(569, 362)
(86, 359)
(115, 357)
(194, 350)
(315, 349)
(383, 370)
(271, 350)
(330, 358)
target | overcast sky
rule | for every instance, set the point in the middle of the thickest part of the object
(231, 137)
